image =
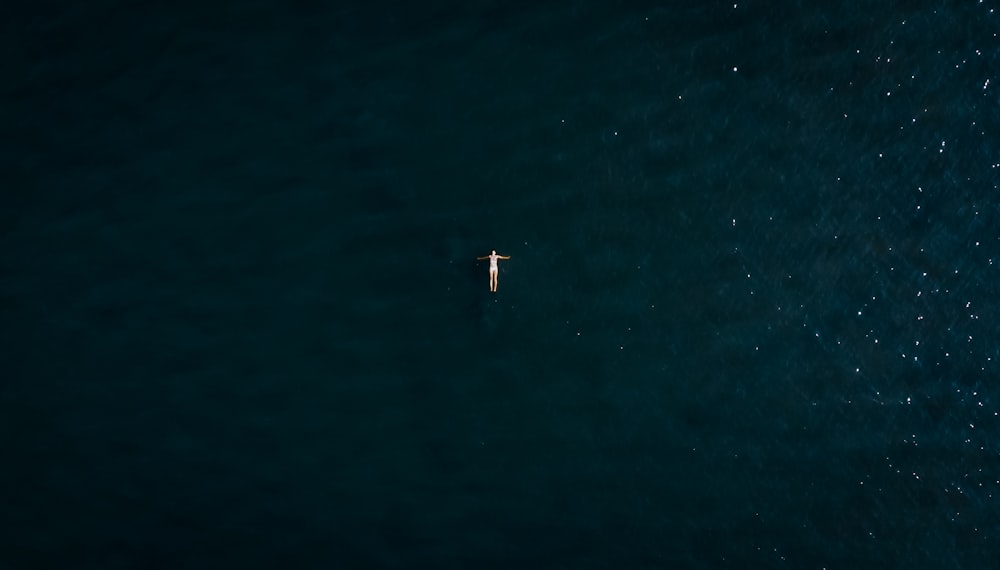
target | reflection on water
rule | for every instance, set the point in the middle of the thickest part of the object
(748, 316)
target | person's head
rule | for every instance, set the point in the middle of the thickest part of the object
(494, 252)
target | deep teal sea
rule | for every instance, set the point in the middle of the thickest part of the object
(749, 319)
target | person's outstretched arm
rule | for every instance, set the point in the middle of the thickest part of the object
(483, 257)
(504, 256)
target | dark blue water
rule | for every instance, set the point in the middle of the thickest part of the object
(749, 320)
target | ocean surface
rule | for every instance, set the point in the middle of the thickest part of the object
(749, 319)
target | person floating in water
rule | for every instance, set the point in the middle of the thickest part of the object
(494, 270)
